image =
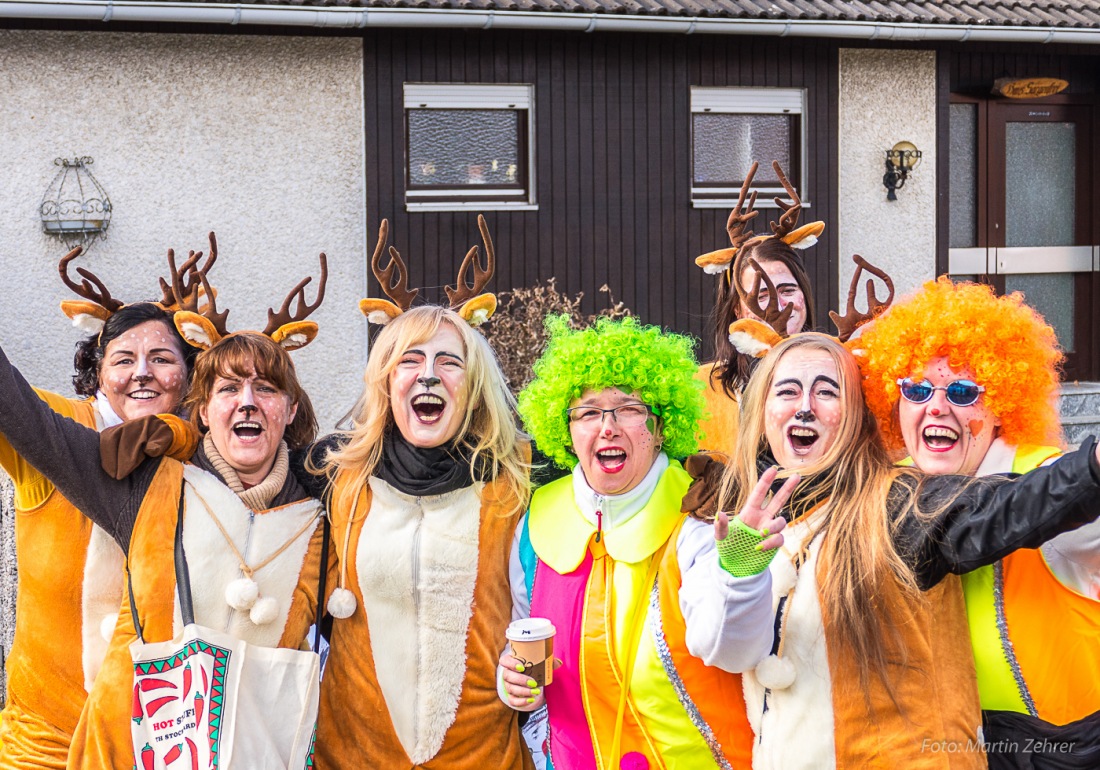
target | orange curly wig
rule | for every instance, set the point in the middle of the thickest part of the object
(1007, 346)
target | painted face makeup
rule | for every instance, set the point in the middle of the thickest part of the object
(803, 407)
(247, 417)
(785, 286)
(941, 437)
(428, 389)
(143, 371)
(615, 454)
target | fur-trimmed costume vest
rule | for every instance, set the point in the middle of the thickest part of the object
(411, 676)
(680, 712)
(102, 738)
(58, 645)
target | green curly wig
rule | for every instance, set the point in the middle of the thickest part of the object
(624, 354)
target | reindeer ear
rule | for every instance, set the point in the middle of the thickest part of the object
(805, 236)
(196, 329)
(86, 316)
(753, 338)
(295, 335)
(379, 311)
(478, 310)
(715, 262)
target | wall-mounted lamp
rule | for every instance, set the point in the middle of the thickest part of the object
(902, 158)
(75, 207)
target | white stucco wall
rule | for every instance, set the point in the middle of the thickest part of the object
(887, 96)
(257, 138)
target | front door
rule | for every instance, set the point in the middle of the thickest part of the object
(1031, 225)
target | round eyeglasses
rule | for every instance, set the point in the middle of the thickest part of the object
(627, 415)
(959, 392)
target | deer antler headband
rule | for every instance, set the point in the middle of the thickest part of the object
(463, 297)
(742, 240)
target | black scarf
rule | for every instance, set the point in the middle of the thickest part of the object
(422, 472)
(809, 492)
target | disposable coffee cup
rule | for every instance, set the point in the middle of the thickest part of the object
(532, 642)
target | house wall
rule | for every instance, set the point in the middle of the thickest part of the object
(886, 96)
(613, 161)
(257, 138)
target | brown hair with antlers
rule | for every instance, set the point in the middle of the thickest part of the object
(463, 297)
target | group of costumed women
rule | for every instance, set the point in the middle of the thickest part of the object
(800, 596)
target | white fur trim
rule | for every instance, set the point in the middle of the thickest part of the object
(213, 566)
(417, 568)
(101, 596)
(380, 317)
(716, 269)
(195, 334)
(775, 673)
(342, 603)
(784, 575)
(294, 341)
(88, 323)
(747, 345)
(107, 626)
(242, 593)
(264, 611)
(805, 243)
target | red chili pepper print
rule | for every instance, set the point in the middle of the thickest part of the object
(137, 714)
(156, 684)
(194, 753)
(198, 708)
(156, 705)
(173, 754)
(147, 757)
(205, 681)
(186, 680)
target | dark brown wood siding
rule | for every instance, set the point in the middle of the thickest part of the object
(613, 160)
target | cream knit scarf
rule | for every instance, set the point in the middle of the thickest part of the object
(259, 497)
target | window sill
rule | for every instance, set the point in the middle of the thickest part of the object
(471, 205)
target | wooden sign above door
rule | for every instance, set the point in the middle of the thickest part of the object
(1028, 88)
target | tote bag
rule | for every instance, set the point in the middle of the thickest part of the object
(212, 701)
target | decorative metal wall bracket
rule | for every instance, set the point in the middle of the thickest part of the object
(75, 207)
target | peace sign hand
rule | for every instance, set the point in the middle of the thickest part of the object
(760, 513)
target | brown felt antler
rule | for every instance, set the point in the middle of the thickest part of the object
(461, 292)
(88, 287)
(788, 221)
(741, 214)
(398, 290)
(188, 272)
(771, 315)
(852, 319)
(302, 310)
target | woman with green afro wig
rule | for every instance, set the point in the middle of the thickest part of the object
(624, 354)
(649, 607)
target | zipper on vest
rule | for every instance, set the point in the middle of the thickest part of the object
(240, 572)
(599, 517)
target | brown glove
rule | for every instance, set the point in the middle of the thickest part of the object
(706, 469)
(124, 447)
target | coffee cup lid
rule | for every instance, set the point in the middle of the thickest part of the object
(530, 630)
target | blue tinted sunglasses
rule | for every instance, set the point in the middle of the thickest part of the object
(959, 392)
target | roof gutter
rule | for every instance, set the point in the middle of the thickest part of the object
(360, 18)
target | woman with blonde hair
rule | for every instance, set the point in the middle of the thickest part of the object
(426, 489)
(871, 664)
(966, 382)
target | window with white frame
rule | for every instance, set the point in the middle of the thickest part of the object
(469, 146)
(732, 127)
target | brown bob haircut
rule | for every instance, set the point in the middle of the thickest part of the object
(241, 354)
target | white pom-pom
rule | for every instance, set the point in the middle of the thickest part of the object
(784, 575)
(342, 603)
(264, 611)
(242, 593)
(775, 673)
(107, 626)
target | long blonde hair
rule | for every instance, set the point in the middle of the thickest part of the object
(489, 429)
(855, 478)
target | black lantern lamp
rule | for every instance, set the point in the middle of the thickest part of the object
(75, 207)
(902, 158)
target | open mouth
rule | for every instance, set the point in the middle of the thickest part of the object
(142, 395)
(802, 439)
(939, 439)
(428, 407)
(611, 460)
(247, 429)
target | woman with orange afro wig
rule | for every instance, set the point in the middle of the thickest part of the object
(965, 381)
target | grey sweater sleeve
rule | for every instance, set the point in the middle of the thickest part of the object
(67, 453)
